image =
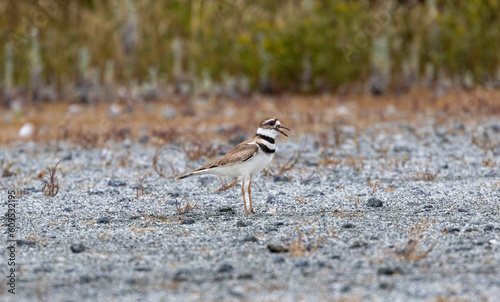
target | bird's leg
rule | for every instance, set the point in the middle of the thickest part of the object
(243, 194)
(250, 195)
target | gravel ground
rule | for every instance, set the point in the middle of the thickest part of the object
(395, 213)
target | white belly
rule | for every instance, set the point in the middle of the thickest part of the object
(249, 167)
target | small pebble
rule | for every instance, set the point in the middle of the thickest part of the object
(237, 291)
(245, 276)
(77, 248)
(182, 274)
(241, 223)
(281, 178)
(302, 263)
(250, 238)
(279, 260)
(144, 139)
(357, 244)
(143, 269)
(374, 202)
(489, 228)
(388, 271)
(188, 221)
(225, 268)
(116, 183)
(104, 219)
(276, 248)
(21, 242)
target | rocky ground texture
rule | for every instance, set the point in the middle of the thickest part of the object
(389, 213)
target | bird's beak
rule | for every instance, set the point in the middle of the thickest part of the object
(279, 127)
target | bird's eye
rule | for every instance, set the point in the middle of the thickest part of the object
(271, 123)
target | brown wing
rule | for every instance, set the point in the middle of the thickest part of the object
(240, 153)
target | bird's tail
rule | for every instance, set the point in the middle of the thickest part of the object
(184, 176)
(202, 170)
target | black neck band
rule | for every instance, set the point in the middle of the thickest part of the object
(265, 149)
(267, 138)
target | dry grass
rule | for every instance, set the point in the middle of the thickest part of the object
(342, 214)
(297, 249)
(227, 183)
(6, 172)
(356, 162)
(485, 143)
(490, 163)
(334, 234)
(164, 135)
(140, 187)
(374, 186)
(417, 230)
(187, 207)
(92, 126)
(166, 171)
(301, 200)
(148, 220)
(410, 252)
(195, 150)
(355, 199)
(330, 161)
(135, 229)
(427, 175)
(50, 186)
(103, 236)
(286, 166)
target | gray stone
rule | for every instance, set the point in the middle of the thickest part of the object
(374, 202)
(277, 248)
(225, 268)
(188, 221)
(116, 183)
(77, 248)
(104, 219)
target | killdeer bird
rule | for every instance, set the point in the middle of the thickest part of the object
(247, 158)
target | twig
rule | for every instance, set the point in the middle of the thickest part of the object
(375, 186)
(140, 188)
(50, 183)
(188, 206)
(162, 171)
(226, 184)
(287, 166)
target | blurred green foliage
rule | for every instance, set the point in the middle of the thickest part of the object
(296, 45)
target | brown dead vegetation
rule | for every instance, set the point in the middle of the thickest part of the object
(50, 186)
(426, 175)
(227, 183)
(92, 126)
(284, 166)
(186, 207)
(166, 170)
(140, 187)
(298, 249)
(195, 150)
(410, 252)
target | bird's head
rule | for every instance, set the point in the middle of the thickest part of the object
(271, 127)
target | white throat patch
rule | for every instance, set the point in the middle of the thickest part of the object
(268, 132)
